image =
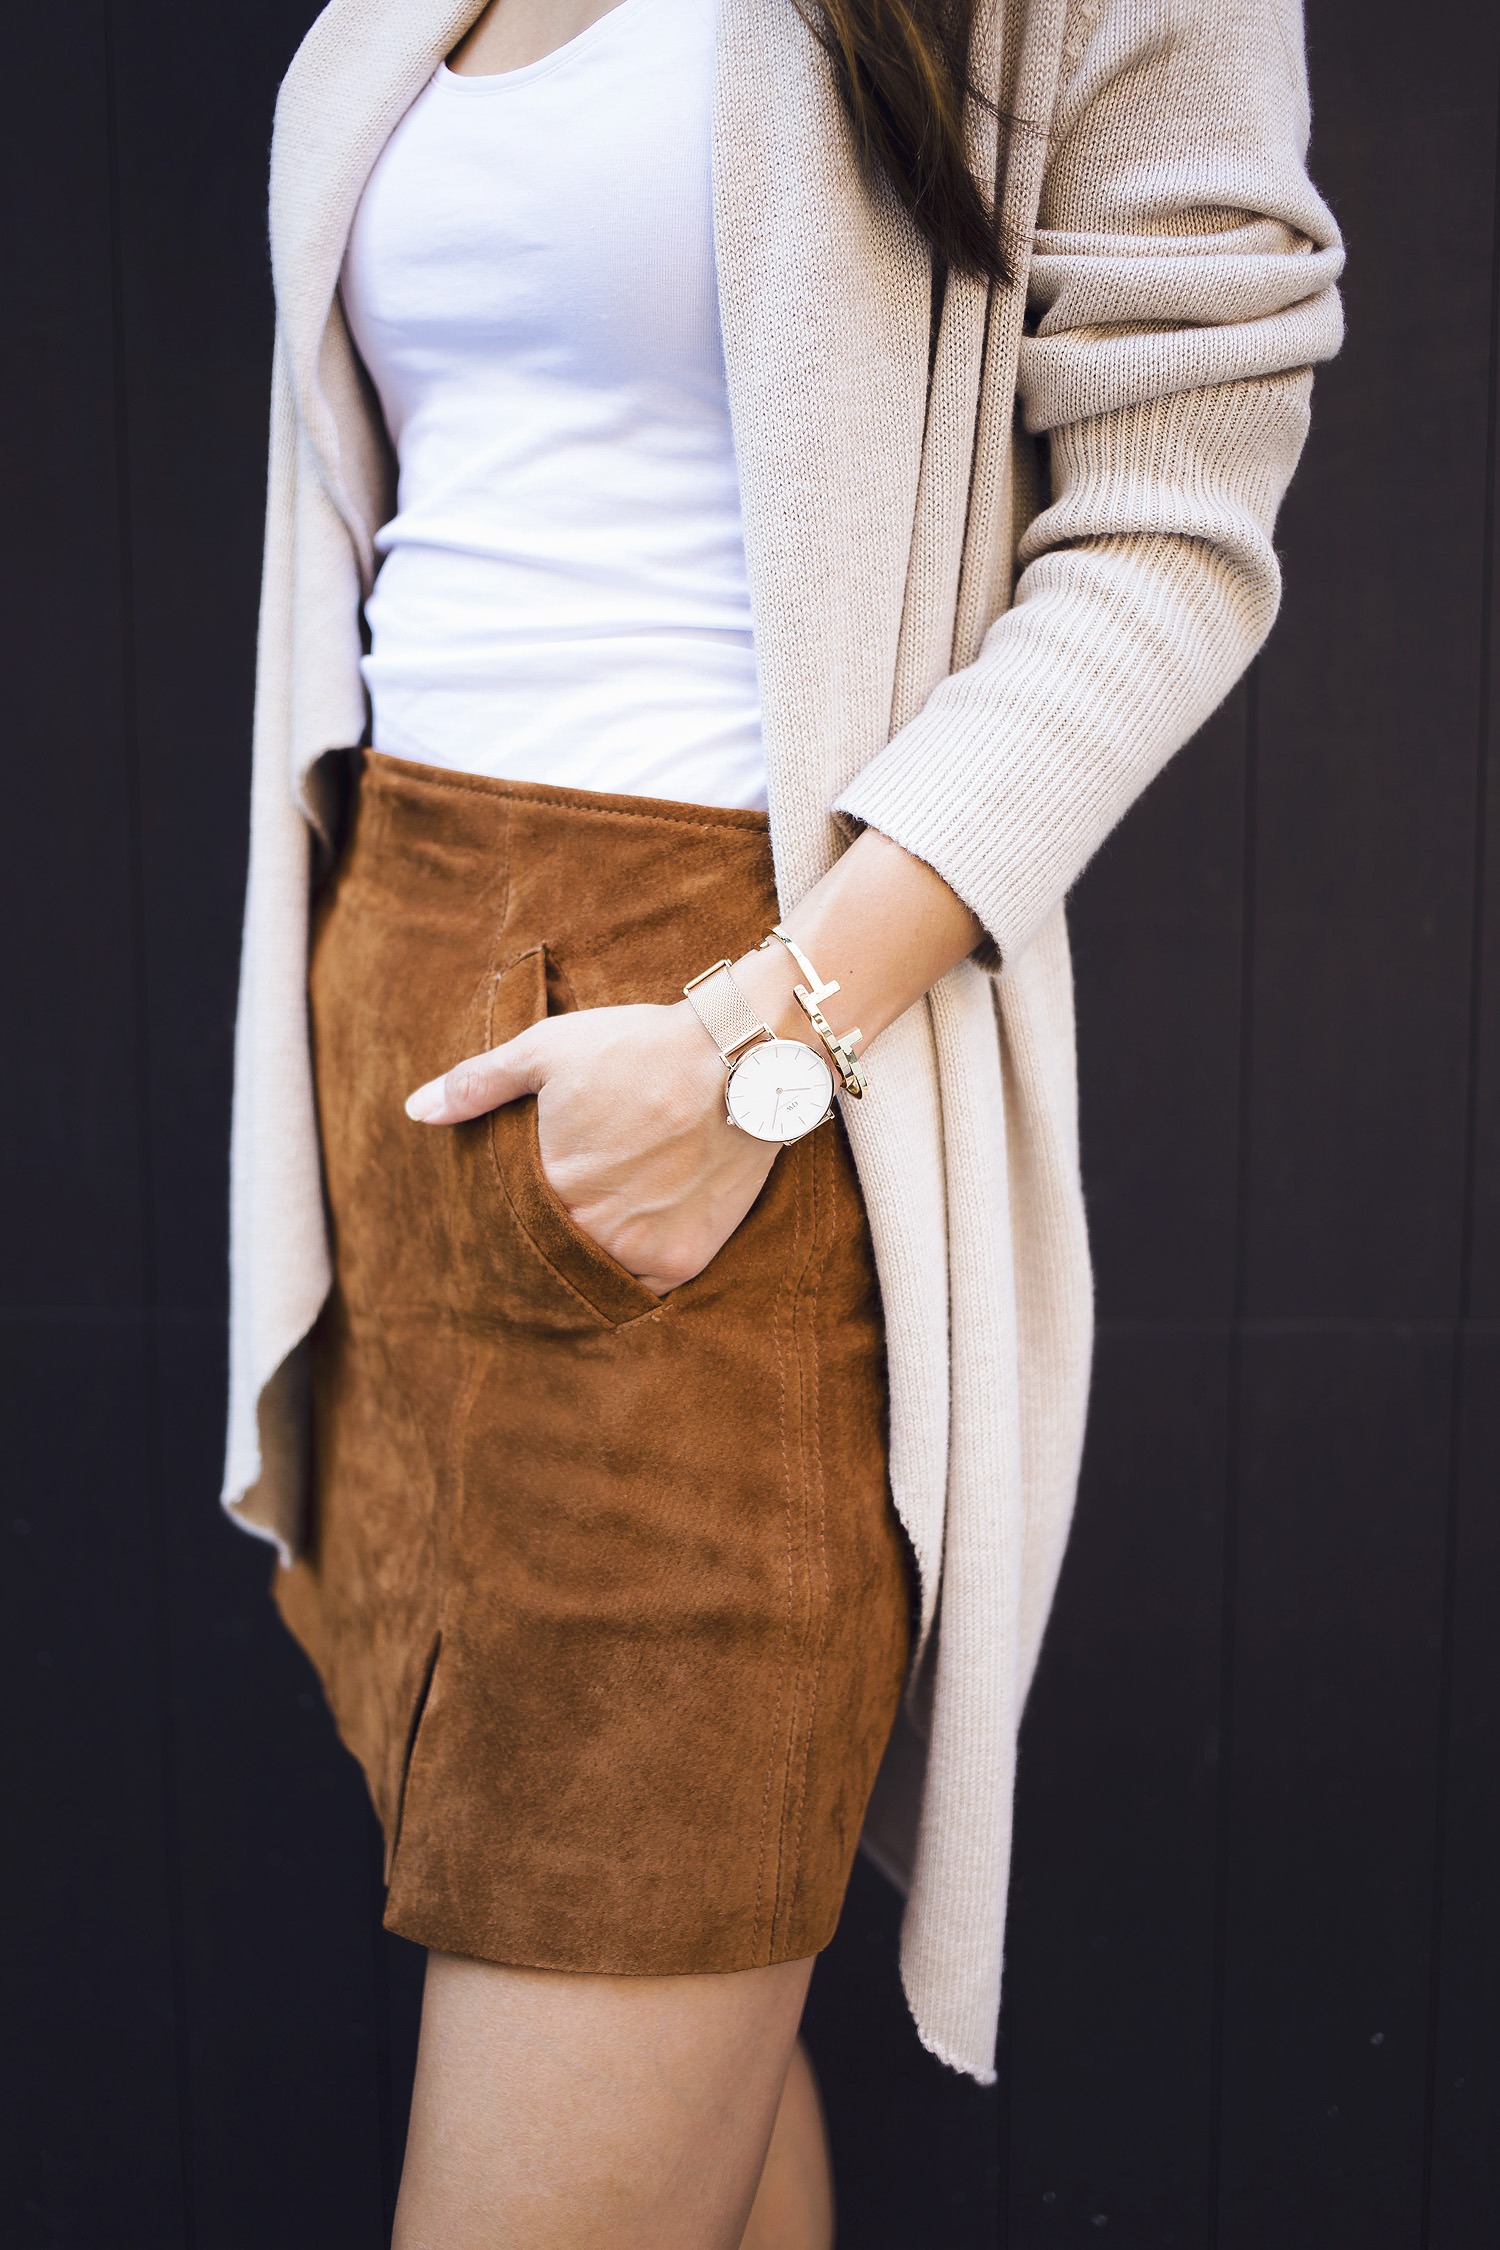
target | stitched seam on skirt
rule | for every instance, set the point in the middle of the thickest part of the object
(812, 1455)
(786, 1627)
(812, 1463)
(458, 1426)
(474, 785)
(796, 1685)
(466, 1392)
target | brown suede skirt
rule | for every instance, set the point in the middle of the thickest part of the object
(605, 1589)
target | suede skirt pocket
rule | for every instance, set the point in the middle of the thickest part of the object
(595, 1281)
(606, 1590)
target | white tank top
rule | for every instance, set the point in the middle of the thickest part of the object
(530, 281)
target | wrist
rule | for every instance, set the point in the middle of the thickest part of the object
(838, 1039)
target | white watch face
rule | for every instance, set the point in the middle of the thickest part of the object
(779, 1090)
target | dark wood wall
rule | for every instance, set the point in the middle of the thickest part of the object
(1254, 1981)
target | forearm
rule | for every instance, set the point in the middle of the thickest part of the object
(881, 924)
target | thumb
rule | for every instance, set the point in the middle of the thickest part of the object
(479, 1083)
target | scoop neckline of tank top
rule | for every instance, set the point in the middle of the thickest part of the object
(497, 81)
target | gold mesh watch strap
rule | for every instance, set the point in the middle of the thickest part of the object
(724, 1012)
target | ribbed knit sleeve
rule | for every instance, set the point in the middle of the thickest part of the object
(1180, 289)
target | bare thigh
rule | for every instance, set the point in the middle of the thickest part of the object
(559, 2112)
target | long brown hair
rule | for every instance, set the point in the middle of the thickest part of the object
(902, 70)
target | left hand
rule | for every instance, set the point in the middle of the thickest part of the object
(634, 1136)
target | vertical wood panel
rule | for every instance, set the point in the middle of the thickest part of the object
(1337, 1666)
(1369, 698)
(1484, 1265)
(196, 301)
(1464, 2051)
(93, 2031)
(1109, 2010)
(92, 2128)
(1465, 2094)
(68, 1126)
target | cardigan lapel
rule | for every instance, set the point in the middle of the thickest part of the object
(824, 300)
(354, 76)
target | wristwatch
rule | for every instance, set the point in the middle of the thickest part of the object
(776, 1089)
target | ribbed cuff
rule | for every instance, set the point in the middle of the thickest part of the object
(1150, 584)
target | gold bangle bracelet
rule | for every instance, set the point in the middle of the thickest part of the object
(840, 1045)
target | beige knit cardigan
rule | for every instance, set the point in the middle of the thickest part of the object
(1173, 284)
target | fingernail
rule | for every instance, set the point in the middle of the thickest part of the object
(425, 1103)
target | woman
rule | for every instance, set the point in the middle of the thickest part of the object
(660, 402)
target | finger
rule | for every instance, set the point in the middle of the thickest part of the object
(478, 1083)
